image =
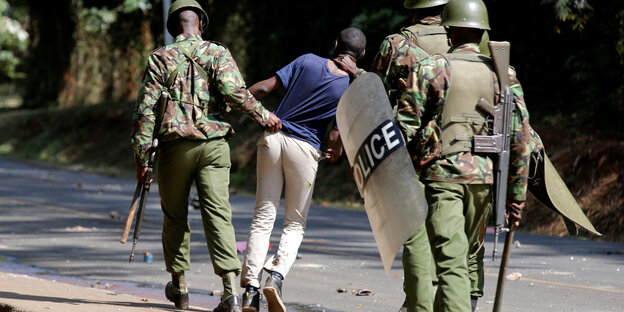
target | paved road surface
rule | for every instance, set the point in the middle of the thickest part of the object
(57, 225)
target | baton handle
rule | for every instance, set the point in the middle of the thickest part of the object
(498, 299)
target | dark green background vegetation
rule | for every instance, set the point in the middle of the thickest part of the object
(71, 102)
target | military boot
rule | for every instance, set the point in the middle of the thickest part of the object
(273, 292)
(251, 300)
(181, 300)
(230, 304)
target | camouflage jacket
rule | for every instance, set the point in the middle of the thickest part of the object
(196, 107)
(421, 105)
(397, 54)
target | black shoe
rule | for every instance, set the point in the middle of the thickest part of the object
(251, 300)
(231, 304)
(181, 301)
(404, 306)
(273, 293)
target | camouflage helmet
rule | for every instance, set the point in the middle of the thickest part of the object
(420, 4)
(466, 13)
(181, 5)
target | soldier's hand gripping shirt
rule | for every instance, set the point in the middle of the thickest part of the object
(420, 106)
(196, 108)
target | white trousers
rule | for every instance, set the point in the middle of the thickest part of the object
(281, 160)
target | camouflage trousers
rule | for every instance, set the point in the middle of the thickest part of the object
(207, 163)
(456, 214)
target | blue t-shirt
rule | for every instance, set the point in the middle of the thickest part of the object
(312, 94)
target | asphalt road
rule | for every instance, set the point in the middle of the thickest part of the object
(63, 225)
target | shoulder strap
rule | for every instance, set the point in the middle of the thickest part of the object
(468, 57)
(188, 55)
(193, 61)
(432, 31)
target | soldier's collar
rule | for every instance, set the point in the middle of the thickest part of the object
(466, 47)
(431, 20)
(187, 36)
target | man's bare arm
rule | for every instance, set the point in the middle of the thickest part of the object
(264, 87)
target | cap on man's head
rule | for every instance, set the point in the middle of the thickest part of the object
(182, 5)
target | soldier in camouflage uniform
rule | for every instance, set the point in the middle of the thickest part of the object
(397, 54)
(201, 80)
(438, 117)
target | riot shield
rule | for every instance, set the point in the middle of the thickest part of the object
(548, 187)
(394, 201)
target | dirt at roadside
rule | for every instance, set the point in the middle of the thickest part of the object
(592, 165)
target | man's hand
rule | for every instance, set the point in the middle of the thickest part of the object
(274, 124)
(141, 173)
(347, 64)
(514, 212)
(334, 146)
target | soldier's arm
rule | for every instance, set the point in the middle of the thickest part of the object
(383, 59)
(144, 116)
(232, 86)
(520, 144)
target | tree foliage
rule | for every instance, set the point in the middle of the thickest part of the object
(99, 48)
(13, 41)
(569, 54)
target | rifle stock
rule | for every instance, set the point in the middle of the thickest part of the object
(131, 212)
(500, 55)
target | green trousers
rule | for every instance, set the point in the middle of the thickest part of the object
(417, 270)
(455, 214)
(207, 163)
(476, 253)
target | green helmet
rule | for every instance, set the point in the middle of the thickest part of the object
(420, 4)
(180, 5)
(466, 13)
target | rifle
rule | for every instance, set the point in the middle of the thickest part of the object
(142, 191)
(499, 143)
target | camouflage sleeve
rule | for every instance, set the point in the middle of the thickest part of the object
(427, 88)
(520, 143)
(144, 117)
(383, 59)
(231, 84)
